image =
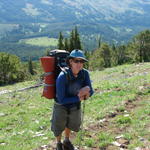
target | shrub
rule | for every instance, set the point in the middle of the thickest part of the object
(11, 69)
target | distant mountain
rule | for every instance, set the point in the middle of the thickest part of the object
(124, 12)
(115, 20)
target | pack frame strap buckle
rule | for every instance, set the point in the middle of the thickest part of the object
(49, 85)
(47, 73)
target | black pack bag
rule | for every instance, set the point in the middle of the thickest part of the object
(60, 60)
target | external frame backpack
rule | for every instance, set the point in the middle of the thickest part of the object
(52, 65)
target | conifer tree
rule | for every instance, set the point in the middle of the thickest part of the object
(77, 43)
(96, 62)
(99, 41)
(66, 46)
(138, 50)
(114, 55)
(30, 66)
(87, 55)
(71, 46)
(60, 41)
(11, 69)
(121, 51)
(143, 42)
(105, 54)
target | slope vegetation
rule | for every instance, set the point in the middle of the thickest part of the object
(116, 117)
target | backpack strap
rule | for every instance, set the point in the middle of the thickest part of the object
(68, 75)
(83, 74)
(66, 72)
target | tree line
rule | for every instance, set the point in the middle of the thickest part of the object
(73, 42)
(106, 55)
(13, 70)
(137, 50)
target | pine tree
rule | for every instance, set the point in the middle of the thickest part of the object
(138, 50)
(11, 69)
(71, 46)
(77, 42)
(66, 46)
(96, 62)
(60, 41)
(30, 66)
(105, 54)
(99, 41)
(114, 55)
(143, 42)
(121, 50)
(87, 55)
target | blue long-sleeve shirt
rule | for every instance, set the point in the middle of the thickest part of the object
(68, 86)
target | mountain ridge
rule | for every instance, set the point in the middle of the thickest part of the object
(115, 20)
(60, 10)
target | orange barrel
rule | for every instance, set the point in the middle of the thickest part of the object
(49, 78)
(49, 91)
(48, 64)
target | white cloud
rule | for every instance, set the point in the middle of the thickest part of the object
(30, 10)
(47, 2)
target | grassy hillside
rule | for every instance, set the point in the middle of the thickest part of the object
(42, 41)
(117, 114)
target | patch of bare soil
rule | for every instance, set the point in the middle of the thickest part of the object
(107, 125)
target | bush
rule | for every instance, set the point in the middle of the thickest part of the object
(11, 69)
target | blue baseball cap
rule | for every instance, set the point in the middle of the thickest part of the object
(76, 53)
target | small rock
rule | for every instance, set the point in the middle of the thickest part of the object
(116, 144)
(43, 146)
(21, 132)
(142, 139)
(141, 87)
(45, 138)
(123, 141)
(37, 121)
(102, 120)
(2, 114)
(118, 137)
(137, 148)
(2, 144)
(38, 134)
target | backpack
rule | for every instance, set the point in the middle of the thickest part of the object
(52, 65)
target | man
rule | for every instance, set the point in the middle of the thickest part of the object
(72, 87)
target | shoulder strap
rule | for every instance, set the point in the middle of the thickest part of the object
(68, 76)
(83, 74)
(66, 72)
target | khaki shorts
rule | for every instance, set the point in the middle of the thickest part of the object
(62, 119)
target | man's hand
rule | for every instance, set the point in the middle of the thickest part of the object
(84, 93)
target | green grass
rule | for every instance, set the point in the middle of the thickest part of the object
(25, 116)
(104, 139)
(41, 41)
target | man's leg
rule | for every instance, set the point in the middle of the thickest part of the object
(58, 138)
(67, 133)
(59, 144)
(67, 144)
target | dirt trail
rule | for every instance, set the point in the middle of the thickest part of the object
(107, 125)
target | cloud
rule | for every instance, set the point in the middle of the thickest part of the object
(30, 10)
(47, 2)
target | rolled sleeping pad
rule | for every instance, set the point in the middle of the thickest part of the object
(48, 65)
